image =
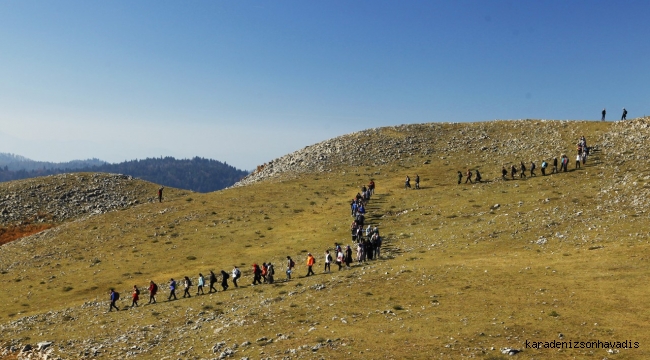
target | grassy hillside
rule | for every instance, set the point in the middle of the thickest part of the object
(560, 258)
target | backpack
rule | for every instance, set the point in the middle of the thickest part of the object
(117, 296)
(237, 273)
(226, 276)
(271, 271)
(137, 291)
(189, 282)
(329, 257)
(155, 287)
(291, 263)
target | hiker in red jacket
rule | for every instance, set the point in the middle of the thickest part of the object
(153, 289)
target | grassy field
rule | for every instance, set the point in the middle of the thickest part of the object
(459, 276)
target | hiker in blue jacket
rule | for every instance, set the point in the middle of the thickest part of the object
(114, 297)
(172, 290)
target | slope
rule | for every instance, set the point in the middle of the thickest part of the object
(559, 258)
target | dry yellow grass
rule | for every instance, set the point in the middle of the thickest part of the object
(458, 278)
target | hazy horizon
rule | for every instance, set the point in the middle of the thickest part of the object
(247, 82)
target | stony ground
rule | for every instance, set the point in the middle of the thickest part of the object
(468, 271)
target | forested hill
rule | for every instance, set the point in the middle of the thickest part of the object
(197, 174)
(15, 162)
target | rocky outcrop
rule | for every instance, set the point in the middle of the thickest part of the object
(534, 139)
(60, 197)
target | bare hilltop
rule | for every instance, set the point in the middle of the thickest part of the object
(544, 267)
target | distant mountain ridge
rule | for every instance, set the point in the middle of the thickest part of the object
(13, 162)
(197, 174)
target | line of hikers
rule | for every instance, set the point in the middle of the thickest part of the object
(367, 248)
(407, 182)
(581, 159)
(261, 274)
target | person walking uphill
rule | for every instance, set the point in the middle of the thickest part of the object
(532, 169)
(468, 176)
(310, 263)
(160, 191)
(153, 289)
(328, 261)
(407, 182)
(257, 274)
(604, 112)
(290, 266)
(187, 284)
(213, 280)
(114, 297)
(417, 181)
(224, 280)
(172, 290)
(236, 274)
(201, 283)
(624, 116)
(135, 296)
(460, 177)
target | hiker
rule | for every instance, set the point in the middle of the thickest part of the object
(160, 191)
(368, 250)
(565, 162)
(522, 174)
(213, 280)
(236, 274)
(172, 290)
(417, 181)
(578, 161)
(478, 176)
(328, 261)
(114, 297)
(153, 289)
(224, 280)
(469, 176)
(264, 271)
(348, 256)
(257, 274)
(339, 258)
(310, 262)
(460, 177)
(624, 116)
(201, 283)
(353, 207)
(504, 173)
(371, 187)
(270, 272)
(290, 266)
(360, 256)
(513, 171)
(544, 165)
(353, 228)
(407, 182)
(135, 296)
(554, 166)
(187, 284)
(604, 112)
(532, 169)
(377, 241)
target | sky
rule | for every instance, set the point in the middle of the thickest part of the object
(248, 81)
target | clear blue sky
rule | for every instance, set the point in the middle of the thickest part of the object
(247, 81)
